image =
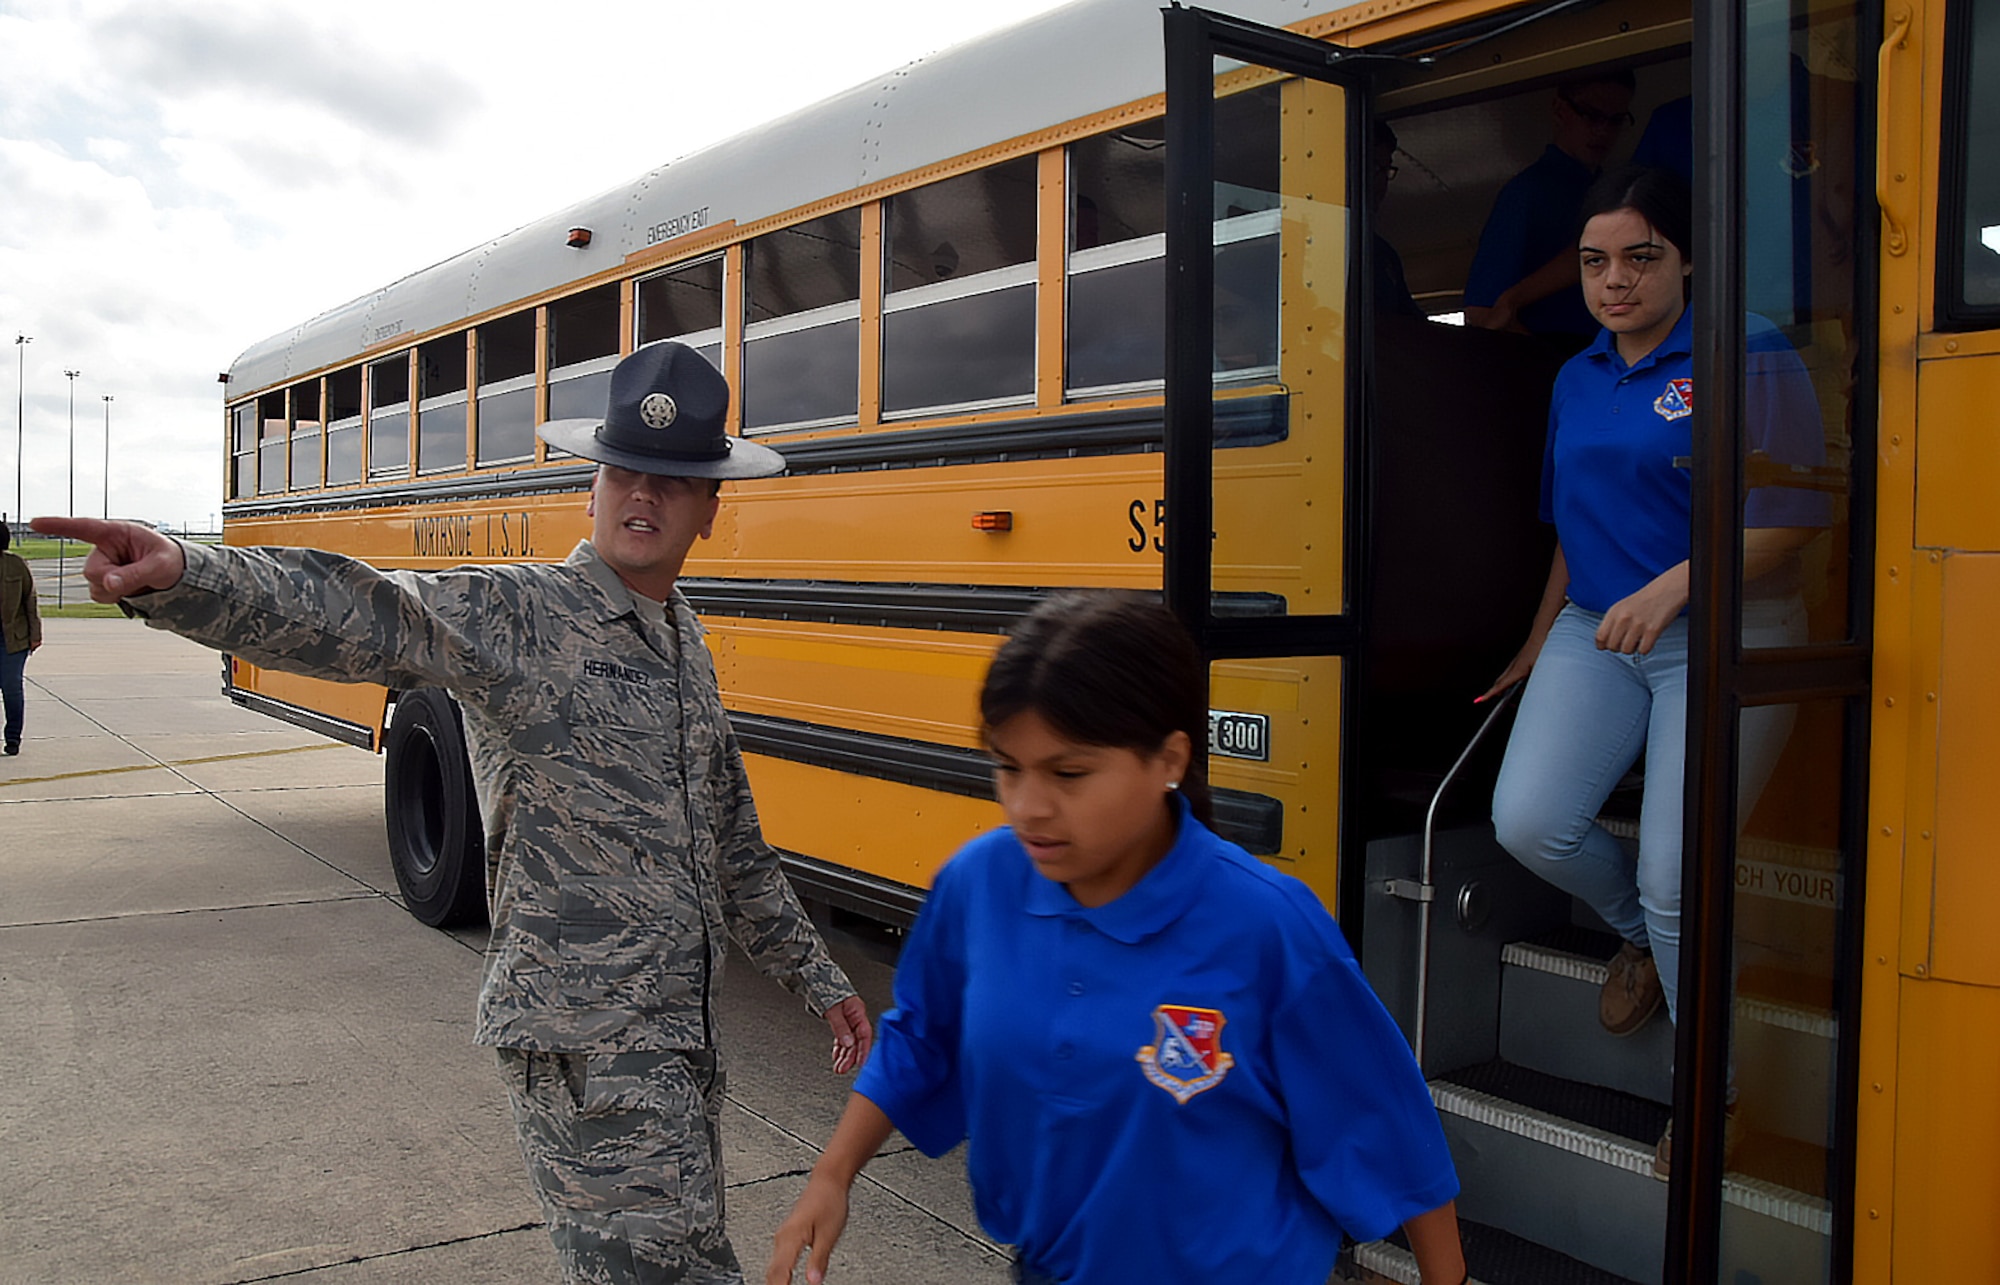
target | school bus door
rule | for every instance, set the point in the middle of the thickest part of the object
(1259, 546)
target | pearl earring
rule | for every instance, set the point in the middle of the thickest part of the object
(1173, 785)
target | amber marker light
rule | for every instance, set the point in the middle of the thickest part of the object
(994, 520)
(579, 237)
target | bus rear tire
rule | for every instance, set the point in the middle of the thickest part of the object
(436, 840)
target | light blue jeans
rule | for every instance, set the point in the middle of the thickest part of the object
(1584, 718)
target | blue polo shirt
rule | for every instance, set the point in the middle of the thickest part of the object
(1534, 219)
(1191, 1083)
(1620, 504)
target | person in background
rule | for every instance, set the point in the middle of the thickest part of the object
(1165, 1058)
(21, 632)
(1524, 274)
(1392, 289)
(624, 849)
(1606, 659)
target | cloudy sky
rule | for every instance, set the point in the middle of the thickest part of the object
(182, 178)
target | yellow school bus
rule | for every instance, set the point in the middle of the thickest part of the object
(1071, 306)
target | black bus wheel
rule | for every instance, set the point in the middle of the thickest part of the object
(436, 843)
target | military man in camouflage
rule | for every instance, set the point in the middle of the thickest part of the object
(621, 838)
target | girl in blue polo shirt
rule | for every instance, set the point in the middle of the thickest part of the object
(1606, 660)
(1165, 1059)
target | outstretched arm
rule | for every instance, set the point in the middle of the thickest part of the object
(126, 558)
(820, 1214)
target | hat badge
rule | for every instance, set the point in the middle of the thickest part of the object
(658, 410)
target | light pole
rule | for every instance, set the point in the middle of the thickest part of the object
(21, 343)
(62, 553)
(107, 457)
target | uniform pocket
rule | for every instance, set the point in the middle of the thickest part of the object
(633, 945)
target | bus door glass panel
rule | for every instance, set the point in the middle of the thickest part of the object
(343, 426)
(1280, 229)
(1116, 253)
(389, 417)
(243, 450)
(583, 347)
(441, 405)
(504, 418)
(1977, 282)
(306, 425)
(802, 331)
(1784, 1036)
(1802, 358)
(271, 448)
(684, 304)
(958, 311)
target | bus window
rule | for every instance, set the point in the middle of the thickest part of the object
(583, 347)
(1976, 28)
(343, 426)
(243, 450)
(271, 443)
(505, 427)
(1117, 318)
(802, 340)
(441, 405)
(305, 436)
(958, 319)
(1117, 301)
(389, 417)
(685, 304)
(1246, 235)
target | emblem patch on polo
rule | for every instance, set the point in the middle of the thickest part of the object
(1186, 1057)
(657, 410)
(1678, 401)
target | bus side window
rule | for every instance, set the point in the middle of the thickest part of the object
(958, 323)
(583, 347)
(305, 436)
(504, 429)
(1972, 114)
(684, 304)
(441, 401)
(802, 337)
(271, 443)
(343, 426)
(389, 417)
(243, 450)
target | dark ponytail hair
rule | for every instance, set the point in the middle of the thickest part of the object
(1660, 197)
(1111, 669)
(6, 535)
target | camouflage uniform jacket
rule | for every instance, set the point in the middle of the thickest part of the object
(621, 838)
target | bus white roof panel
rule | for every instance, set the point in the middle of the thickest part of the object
(1071, 62)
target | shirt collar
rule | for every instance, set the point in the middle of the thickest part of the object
(614, 600)
(1162, 895)
(1678, 343)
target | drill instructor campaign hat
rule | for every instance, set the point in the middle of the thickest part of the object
(665, 416)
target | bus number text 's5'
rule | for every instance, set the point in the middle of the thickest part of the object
(1143, 535)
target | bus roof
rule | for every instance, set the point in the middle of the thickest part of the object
(1075, 61)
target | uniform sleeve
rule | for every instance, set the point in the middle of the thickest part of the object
(913, 1074)
(763, 912)
(1501, 259)
(1364, 1131)
(306, 611)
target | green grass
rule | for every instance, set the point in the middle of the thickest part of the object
(41, 546)
(82, 611)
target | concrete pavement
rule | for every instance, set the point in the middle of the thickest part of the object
(232, 1057)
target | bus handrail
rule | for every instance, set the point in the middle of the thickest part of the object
(1426, 885)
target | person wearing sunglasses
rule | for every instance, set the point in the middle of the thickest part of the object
(1524, 274)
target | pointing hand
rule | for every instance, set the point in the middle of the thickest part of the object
(129, 558)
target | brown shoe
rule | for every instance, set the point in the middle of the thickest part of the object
(1663, 1155)
(1631, 991)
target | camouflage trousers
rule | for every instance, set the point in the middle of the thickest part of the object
(625, 1151)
